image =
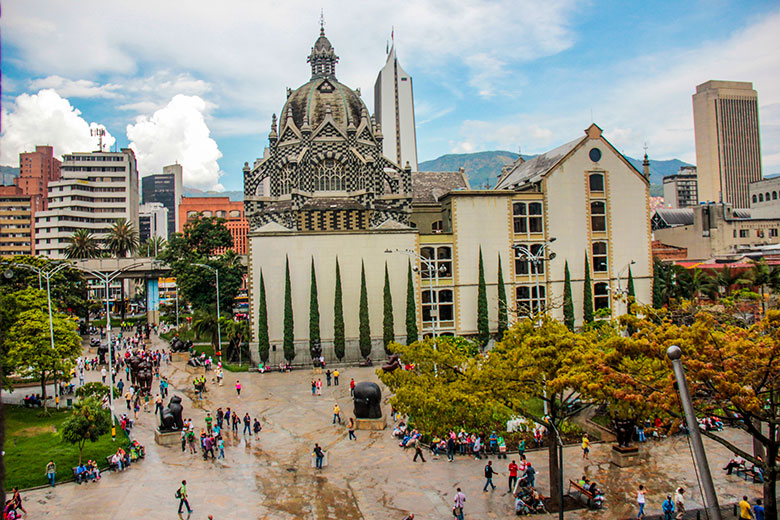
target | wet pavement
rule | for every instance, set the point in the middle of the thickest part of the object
(371, 478)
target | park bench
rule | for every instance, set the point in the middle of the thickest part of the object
(111, 465)
(582, 492)
(747, 473)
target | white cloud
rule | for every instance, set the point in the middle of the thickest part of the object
(79, 88)
(45, 118)
(178, 132)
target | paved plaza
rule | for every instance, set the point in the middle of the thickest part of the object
(371, 478)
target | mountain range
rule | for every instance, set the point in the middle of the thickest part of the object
(483, 168)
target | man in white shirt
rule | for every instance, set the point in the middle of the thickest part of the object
(458, 503)
(679, 503)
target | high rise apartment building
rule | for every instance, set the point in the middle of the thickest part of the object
(681, 188)
(167, 189)
(36, 170)
(394, 111)
(96, 189)
(152, 221)
(16, 221)
(728, 148)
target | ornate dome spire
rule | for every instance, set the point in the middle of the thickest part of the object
(323, 58)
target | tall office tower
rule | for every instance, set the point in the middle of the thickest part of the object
(152, 222)
(394, 111)
(36, 170)
(728, 149)
(95, 190)
(165, 188)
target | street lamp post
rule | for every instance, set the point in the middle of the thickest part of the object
(620, 273)
(107, 279)
(674, 353)
(219, 329)
(535, 259)
(47, 275)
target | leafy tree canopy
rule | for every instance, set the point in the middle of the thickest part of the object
(87, 423)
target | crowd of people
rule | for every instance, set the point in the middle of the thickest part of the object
(477, 445)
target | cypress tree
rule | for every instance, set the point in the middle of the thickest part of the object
(483, 326)
(314, 312)
(289, 332)
(388, 335)
(631, 290)
(411, 308)
(338, 317)
(263, 343)
(658, 296)
(568, 302)
(364, 339)
(502, 303)
(587, 295)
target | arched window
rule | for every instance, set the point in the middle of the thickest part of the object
(192, 214)
(600, 296)
(598, 216)
(234, 213)
(599, 257)
(760, 197)
(329, 176)
(596, 182)
(207, 213)
(774, 195)
(220, 213)
(755, 199)
(766, 197)
(285, 180)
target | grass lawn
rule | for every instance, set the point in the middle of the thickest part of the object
(31, 441)
(188, 334)
(209, 350)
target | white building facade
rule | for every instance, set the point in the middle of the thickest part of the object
(96, 189)
(394, 111)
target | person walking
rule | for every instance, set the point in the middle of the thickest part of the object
(181, 494)
(17, 501)
(328, 376)
(128, 398)
(668, 508)
(351, 429)
(319, 387)
(458, 503)
(319, 455)
(352, 387)
(530, 474)
(313, 386)
(745, 512)
(513, 467)
(221, 446)
(585, 447)
(158, 404)
(208, 420)
(450, 447)
(336, 377)
(640, 500)
(238, 388)
(51, 471)
(417, 450)
(336, 413)
(489, 472)
(758, 510)
(103, 374)
(679, 503)
(247, 424)
(257, 427)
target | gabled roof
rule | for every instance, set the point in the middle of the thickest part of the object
(671, 217)
(534, 169)
(429, 187)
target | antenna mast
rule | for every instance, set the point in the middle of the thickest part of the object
(99, 132)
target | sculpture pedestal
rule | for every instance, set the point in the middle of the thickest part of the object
(180, 356)
(167, 438)
(624, 457)
(316, 370)
(371, 424)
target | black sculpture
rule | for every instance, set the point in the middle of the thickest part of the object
(177, 345)
(393, 363)
(368, 398)
(316, 354)
(625, 430)
(141, 373)
(101, 352)
(170, 416)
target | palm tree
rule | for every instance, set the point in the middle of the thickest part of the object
(236, 332)
(764, 276)
(122, 240)
(727, 278)
(697, 282)
(669, 277)
(83, 244)
(205, 326)
(153, 246)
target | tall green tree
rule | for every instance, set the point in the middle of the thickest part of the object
(88, 422)
(263, 341)
(764, 277)
(29, 346)
(658, 296)
(568, 301)
(199, 244)
(204, 324)
(339, 340)
(631, 292)
(153, 246)
(587, 295)
(68, 287)
(388, 334)
(411, 308)
(502, 303)
(364, 339)
(82, 244)
(483, 325)
(314, 312)
(289, 329)
(122, 239)
(236, 332)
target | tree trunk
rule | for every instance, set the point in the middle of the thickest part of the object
(43, 390)
(122, 297)
(770, 497)
(555, 468)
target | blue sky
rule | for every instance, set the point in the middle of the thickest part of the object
(183, 82)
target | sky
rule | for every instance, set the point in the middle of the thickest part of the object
(183, 81)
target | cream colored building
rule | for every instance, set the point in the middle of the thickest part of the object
(728, 148)
(765, 198)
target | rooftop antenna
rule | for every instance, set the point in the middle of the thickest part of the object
(322, 21)
(99, 132)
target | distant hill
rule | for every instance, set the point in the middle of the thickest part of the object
(8, 174)
(236, 195)
(483, 168)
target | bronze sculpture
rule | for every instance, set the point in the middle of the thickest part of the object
(368, 398)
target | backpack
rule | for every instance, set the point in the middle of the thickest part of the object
(667, 506)
(178, 493)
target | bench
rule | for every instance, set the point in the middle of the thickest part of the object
(111, 465)
(582, 491)
(747, 473)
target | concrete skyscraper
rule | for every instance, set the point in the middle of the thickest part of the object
(394, 111)
(728, 148)
(165, 188)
